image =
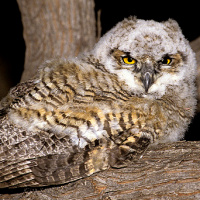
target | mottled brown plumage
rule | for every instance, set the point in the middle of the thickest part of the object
(100, 110)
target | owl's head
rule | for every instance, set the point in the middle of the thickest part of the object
(148, 56)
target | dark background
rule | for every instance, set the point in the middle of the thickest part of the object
(12, 46)
(186, 15)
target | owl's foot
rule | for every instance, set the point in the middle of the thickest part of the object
(131, 148)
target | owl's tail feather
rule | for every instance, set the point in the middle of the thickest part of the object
(62, 168)
(16, 174)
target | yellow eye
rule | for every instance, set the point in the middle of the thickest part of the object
(128, 60)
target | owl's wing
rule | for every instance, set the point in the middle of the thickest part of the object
(39, 165)
(33, 159)
(59, 168)
(15, 94)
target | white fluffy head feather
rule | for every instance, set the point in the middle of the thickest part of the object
(143, 40)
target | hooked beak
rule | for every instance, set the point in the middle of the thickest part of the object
(147, 79)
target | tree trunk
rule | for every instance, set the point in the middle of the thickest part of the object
(55, 28)
(166, 171)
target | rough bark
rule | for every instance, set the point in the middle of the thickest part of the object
(55, 28)
(166, 171)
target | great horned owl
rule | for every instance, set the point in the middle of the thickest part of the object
(101, 109)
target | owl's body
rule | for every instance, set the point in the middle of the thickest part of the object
(100, 110)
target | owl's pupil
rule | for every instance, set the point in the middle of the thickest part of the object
(130, 59)
(165, 61)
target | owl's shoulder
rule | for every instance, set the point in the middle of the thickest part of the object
(15, 94)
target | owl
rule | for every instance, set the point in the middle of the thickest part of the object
(101, 109)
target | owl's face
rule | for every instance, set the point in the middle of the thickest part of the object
(147, 56)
